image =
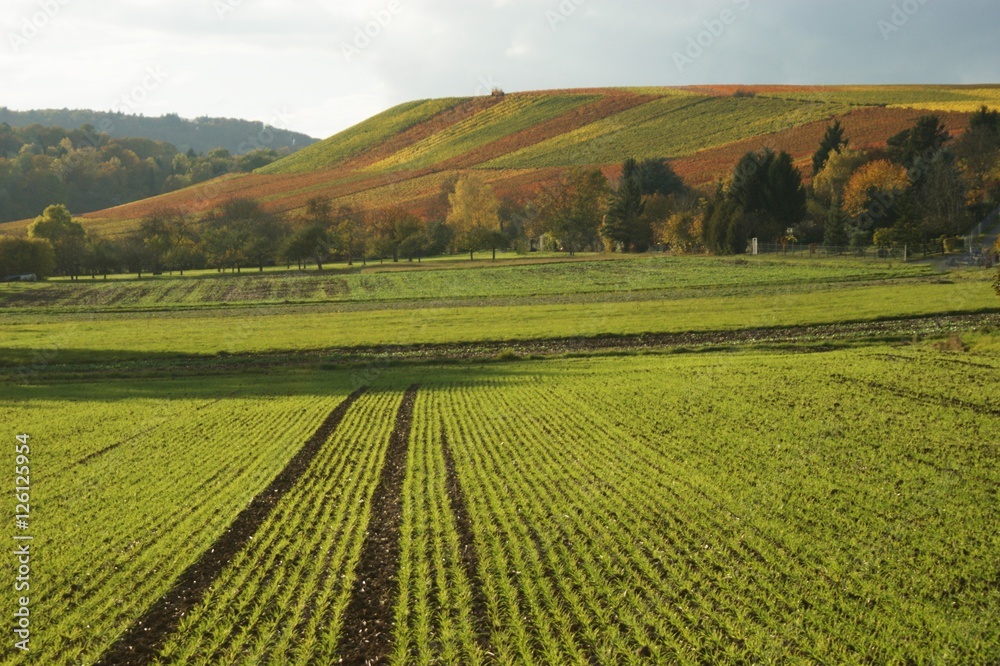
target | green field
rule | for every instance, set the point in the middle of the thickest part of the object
(273, 469)
(443, 281)
(58, 323)
(752, 507)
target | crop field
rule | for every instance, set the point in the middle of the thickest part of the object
(913, 96)
(696, 123)
(151, 320)
(867, 127)
(614, 510)
(451, 280)
(515, 113)
(362, 137)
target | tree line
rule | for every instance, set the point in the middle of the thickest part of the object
(88, 170)
(923, 188)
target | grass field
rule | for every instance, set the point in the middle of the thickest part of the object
(441, 280)
(726, 508)
(465, 302)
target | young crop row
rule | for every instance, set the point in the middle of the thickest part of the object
(515, 113)
(834, 507)
(129, 490)
(916, 96)
(874, 493)
(720, 510)
(669, 127)
(362, 137)
(865, 127)
(282, 600)
(600, 108)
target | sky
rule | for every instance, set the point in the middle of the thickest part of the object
(321, 66)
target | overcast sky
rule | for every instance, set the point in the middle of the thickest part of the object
(308, 65)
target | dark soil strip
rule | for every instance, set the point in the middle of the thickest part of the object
(141, 643)
(467, 546)
(367, 633)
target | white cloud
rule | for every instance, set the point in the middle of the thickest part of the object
(270, 54)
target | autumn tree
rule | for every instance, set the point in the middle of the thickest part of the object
(66, 235)
(241, 232)
(682, 231)
(312, 239)
(474, 215)
(397, 233)
(871, 193)
(170, 239)
(103, 256)
(349, 231)
(22, 256)
(829, 183)
(978, 151)
(571, 210)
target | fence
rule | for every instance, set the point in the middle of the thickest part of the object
(974, 258)
(872, 253)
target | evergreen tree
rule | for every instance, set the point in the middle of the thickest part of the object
(835, 233)
(657, 177)
(833, 141)
(624, 223)
(914, 146)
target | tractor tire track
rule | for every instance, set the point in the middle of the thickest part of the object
(367, 635)
(143, 640)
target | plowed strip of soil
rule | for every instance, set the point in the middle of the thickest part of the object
(141, 643)
(467, 545)
(367, 633)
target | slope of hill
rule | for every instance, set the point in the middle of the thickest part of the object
(201, 134)
(406, 155)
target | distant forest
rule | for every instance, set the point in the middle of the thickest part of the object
(89, 170)
(200, 135)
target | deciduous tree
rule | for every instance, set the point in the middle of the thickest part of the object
(474, 214)
(22, 256)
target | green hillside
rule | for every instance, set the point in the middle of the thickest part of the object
(362, 137)
(404, 155)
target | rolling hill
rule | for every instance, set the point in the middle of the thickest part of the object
(201, 134)
(406, 155)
